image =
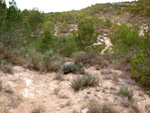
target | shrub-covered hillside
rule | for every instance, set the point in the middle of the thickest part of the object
(42, 41)
(94, 60)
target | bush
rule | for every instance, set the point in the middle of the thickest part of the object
(126, 92)
(95, 107)
(52, 61)
(46, 40)
(84, 81)
(35, 58)
(65, 45)
(91, 58)
(137, 53)
(34, 18)
(84, 57)
(64, 27)
(6, 67)
(86, 35)
(108, 23)
(145, 81)
(72, 68)
(141, 7)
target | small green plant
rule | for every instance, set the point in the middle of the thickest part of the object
(84, 81)
(72, 68)
(125, 91)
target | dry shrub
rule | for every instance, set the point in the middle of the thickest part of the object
(91, 58)
(8, 54)
(6, 68)
(20, 60)
(84, 57)
(53, 64)
(80, 56)
(101, 61)
(95, 107)
(38, 109)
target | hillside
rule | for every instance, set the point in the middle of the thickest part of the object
(94, 60)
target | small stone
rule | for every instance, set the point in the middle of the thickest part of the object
(58, 108)
(97, 90)
(103, 91)
(85, 110)
(138, 103)
(88, 92)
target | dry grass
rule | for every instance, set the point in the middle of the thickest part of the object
(39, 109)
(95, 107)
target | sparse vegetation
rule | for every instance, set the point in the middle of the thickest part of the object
(95, 107)
(61, 43)
(6, 68)
(125, 91)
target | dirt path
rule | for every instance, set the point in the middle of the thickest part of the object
(29, 90)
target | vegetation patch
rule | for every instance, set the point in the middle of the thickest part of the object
(72, 68)
(95, 107)
(137, 53)
(125, 91)
(84, 81)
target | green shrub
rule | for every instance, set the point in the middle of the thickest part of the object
(49, 25)
(108, 23)
(65, 45)
(125, 91)
(86, 35)
(64, 28)
(72, 68)
(34, 18)
(145, 81)
(137, 53)
(84, 81)
(141, 7)
(46, 40)
(118, 12)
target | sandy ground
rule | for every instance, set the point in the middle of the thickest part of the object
(26, 90)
